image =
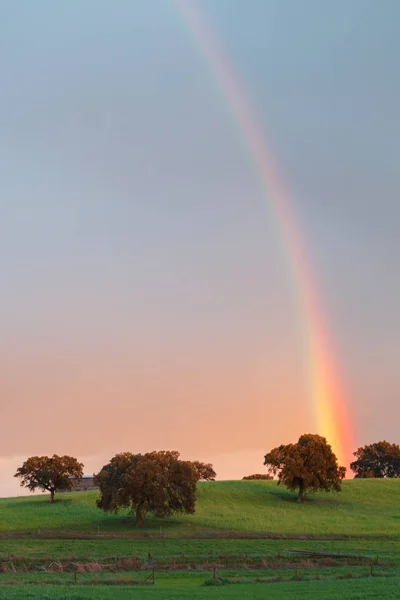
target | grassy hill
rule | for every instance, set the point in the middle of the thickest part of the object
(254, 531)
(364, 508)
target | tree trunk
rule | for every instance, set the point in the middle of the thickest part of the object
(301, 492)
(139, 516)
(52, 492)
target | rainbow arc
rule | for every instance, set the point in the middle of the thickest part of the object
(326, 389)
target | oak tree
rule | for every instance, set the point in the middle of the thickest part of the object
(381, 459)
(307, 466)
(157, 482)
(205, 471)
(52, 474)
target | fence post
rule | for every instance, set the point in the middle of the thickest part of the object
(215, 573)
(74, 576)
(153, 577)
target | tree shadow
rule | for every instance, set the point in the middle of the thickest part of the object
(282, 493)
(127, 523)
(27, 502)
(67, 515)
(318, 498)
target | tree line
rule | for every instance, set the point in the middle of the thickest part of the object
(311, 465)
(156, 482)
(163, 484)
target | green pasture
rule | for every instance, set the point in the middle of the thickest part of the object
(194, 550)
(250, 531)
(364, 507)
(362, 589)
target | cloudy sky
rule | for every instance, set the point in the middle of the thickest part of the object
(146, 300)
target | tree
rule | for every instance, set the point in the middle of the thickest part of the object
(381, 459)
(205, 471)
(49, 473)
(307, 466)
(157, 482)
(258, 476)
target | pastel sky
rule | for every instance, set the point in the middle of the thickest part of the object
(146, 299)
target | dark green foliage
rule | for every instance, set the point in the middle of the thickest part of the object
(205, 471)
(381, 459)
(49, 473)
(308, 466)
(157, 482)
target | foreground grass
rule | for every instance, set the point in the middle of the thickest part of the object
(363, 508)
(190, 550)
(364, 520)
(374, 588)
(206, 576)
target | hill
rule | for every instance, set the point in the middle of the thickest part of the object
(364, 508)
(250, 532)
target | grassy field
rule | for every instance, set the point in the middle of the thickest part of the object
(378, 589)
(199, 550)
(365, 507)
(249, 530)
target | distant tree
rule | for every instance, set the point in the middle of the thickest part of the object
(381, 459)
(157, 482)
(52, 474)
(307, 466)
(205, 471)
(257, 476)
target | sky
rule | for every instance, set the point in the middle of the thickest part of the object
(146, 297)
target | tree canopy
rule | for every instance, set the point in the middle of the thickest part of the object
(49, 473)
(307, 466)
(258, 476)
(157, 482)
(205, 471)
(381, 459)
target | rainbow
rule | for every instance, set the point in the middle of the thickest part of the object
(328, 400)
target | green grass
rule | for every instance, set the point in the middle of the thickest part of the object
(237, 524)
(205, 576)
(374, 589)
(364, 507)
(197, 550)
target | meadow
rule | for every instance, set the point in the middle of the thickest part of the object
(253, 533)
(365, 507)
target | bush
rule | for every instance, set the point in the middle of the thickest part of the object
(264, 476)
